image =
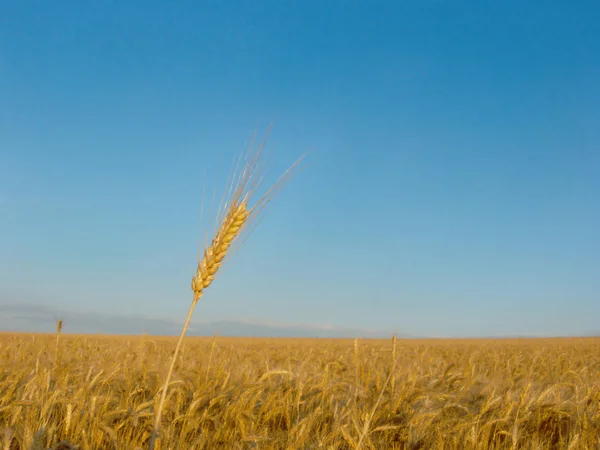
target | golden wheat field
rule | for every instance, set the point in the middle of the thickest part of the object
(100, 392)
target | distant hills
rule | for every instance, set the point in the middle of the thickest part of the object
(37, 318)
(42, 319)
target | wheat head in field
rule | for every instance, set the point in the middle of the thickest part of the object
(300, 393)
(65, 392)
(238, 211)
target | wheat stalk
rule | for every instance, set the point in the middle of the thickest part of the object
(212, 349)
(394, 357)
(235, 218)
(59, 326)
(369, 418)
(356, 370)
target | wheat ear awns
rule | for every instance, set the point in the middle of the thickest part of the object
(236, 217)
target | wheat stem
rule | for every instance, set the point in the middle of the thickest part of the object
(369, 420)
(168, 379)
(394, 357)
(212, 349)
(356, 371)
(59, 325)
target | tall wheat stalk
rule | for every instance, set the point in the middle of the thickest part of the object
(356, 371)
(394, 358)
(236, 218)
(59, 326)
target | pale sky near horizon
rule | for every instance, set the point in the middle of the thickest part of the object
(452, 189)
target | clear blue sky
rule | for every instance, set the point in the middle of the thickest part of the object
(453, 188)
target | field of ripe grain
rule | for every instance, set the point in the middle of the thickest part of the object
(101, 392)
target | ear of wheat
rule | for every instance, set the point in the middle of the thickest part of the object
(239, 212)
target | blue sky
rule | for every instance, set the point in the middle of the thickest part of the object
(452, 188)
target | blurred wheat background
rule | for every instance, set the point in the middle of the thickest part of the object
(102, 391)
